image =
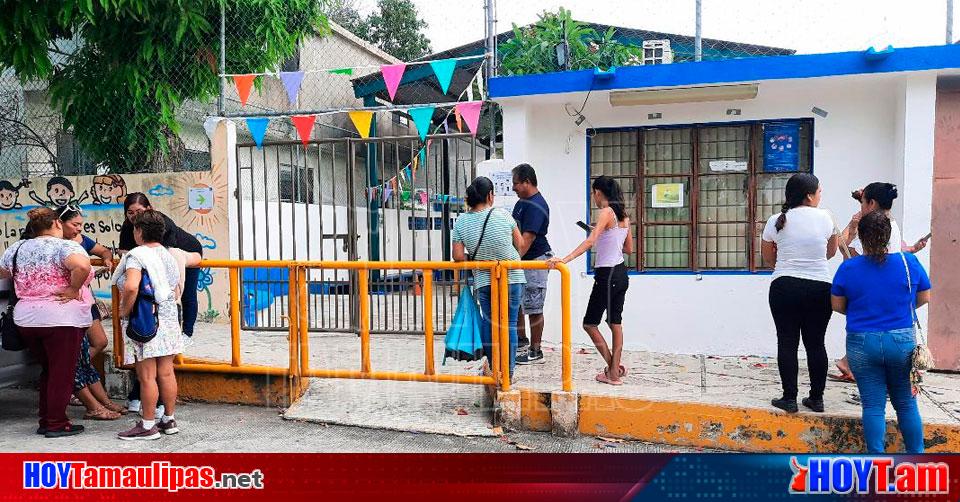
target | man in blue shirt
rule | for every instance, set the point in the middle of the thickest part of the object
(533, 217)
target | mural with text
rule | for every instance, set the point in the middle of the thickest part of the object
(196, 201)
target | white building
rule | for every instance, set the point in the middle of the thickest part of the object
(698, 285)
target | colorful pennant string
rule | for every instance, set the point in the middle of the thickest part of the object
(304, 125)
(392, 75)
(444, 69)
(243, 83)
(258, 128)
(422, 118)
(362, 121)
(291, 82)
(470, 111)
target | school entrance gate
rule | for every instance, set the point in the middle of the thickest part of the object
(347, 199)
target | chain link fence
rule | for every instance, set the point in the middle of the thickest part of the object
(342, 71)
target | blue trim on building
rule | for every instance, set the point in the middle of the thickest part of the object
(731, 70)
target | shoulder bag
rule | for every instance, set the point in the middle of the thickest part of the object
(10, 334)
(922, 358)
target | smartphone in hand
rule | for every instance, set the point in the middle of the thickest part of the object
(586, 228)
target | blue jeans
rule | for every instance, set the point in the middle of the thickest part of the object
(483, 296)
(881, 363)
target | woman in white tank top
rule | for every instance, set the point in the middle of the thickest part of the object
(610, 238)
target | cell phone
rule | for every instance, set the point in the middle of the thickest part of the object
(927, 237)
(584, 226)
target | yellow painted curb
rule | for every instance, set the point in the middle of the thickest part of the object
(729, 428)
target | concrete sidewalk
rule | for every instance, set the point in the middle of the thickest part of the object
(224, 428)
(697, 401)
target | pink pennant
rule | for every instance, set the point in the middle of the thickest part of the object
(392, 75)
(304, 125)
(470, 111)
(423, 198)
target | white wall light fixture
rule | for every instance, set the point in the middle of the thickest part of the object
(684, 95)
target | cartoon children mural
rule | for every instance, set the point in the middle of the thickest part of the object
(108, 189)
(60, 193)
(9, 193)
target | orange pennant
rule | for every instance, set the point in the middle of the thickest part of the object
(304, 125)
(456, 114)
(243, 83)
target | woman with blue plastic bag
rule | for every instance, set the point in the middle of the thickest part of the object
(486, 233)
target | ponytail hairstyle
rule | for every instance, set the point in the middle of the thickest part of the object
(478, 191)
(874, 230)
(799, 186)
(611, 191)
(883, 193)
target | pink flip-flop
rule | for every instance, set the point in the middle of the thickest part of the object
(603, 378)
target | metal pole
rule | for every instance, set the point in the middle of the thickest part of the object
(223, 54)
(698, 38)
(491, 68)
(949, 22)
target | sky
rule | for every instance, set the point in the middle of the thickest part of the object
(808, 26)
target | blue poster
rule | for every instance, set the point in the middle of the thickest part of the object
(781, 147)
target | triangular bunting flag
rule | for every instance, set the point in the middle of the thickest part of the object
(392, 75)
(341, 71)
(387, 192)
(304, 125)
(422, 117)
(471, 113)
(423, 198)
(258, 128)
(456, 115)
(415, 161)
(243, 83)
(443, 69)
(361, 120)
(291, 82)
(470, 91)
(423, 155)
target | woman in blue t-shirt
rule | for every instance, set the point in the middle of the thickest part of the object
(878, 291)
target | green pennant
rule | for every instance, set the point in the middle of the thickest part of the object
(342, 71)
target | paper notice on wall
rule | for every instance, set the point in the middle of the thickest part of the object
(502, 183)
(728, 165)
(667, 195)
(200, 198)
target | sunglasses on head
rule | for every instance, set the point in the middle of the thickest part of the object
(70, 207)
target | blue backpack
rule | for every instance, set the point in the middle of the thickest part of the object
(145, 317)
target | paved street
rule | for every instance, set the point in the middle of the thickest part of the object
(227, 428)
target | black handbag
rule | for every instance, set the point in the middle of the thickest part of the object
(9, 333)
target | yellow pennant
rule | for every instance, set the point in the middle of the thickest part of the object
(361, 120)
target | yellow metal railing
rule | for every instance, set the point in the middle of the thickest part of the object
(298, 322)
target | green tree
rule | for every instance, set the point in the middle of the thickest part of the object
(533, 49)
(137, 61)
(396, 28)
(346, 14)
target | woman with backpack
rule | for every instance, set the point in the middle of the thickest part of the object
(153, 359)
(485, 233)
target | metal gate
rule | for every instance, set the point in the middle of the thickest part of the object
(314, 202)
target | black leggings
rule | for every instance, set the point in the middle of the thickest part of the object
(801, 310)
(609, 291)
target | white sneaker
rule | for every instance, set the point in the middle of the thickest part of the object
(133, 406)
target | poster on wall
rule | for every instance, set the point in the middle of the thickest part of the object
(781, 141)
(667, 195)
(502, 183)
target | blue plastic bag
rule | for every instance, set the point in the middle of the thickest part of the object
(463, 341)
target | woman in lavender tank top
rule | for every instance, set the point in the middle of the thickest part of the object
(610, 238)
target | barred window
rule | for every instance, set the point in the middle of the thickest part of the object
(715, 221)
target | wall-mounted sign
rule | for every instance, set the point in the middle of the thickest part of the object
(781, 142)
(728, 165)
(667, 195)
(200, 198)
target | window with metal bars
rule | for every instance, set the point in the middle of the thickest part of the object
(727, 194)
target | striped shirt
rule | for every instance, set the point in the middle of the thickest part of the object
(497, 242)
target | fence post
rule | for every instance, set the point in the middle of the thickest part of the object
(304, 321)
(565, 333)
(293, 368)
(363, 289)
(495, 355)
(504, 325)
(427, 297)
(234, 273)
